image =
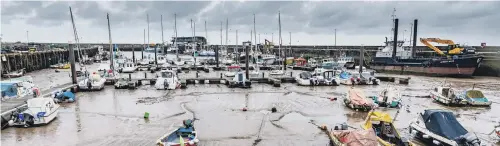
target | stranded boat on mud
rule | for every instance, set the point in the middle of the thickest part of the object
(93, 82)
(356, 99)
(18, 87)
(325, 78)
(440, 127)
(183, 136)
(389, 97)
(476, 98)
(167, 80)
(15, 74)
(40, 111)
(345, 137)
(447, 96)
(385, 130)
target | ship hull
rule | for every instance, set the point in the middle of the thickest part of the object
(457, 67)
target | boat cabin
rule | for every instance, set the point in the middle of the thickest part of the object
(445, 92)
(300, 62)
(305, 75)
(167, 74)
(234, 68)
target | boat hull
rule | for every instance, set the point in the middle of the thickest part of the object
(463, 66)
(447, 101)
(95, 85)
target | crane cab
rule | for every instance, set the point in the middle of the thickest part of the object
(457, 49)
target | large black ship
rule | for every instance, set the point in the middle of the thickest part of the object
(456, 60)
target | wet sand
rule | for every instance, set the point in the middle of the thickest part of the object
(115, 116)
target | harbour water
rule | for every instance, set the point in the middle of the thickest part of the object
(115, 116)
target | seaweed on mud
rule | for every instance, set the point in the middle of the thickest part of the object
(256, 142)
(153, 100)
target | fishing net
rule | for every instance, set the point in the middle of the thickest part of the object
(474, 94)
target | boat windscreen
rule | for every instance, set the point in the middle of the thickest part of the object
(443, 123)
(344, 75)
(167, 74)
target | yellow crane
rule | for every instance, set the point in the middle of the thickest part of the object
(453, 49)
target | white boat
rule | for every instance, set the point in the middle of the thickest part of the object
(255, 73)
(15, 74)
(440, 127)
(40, 111)
(167, 79)
(347, 78)
(277, 71)
(448, 96)
(183, 136)
(343, 60)
(161, 60)
(232, 70)
(366, 78)
(325, 78)
(93, 82)
(17, 87)
(144, 61)
(108, 74)
(129, 67)
(389, 97)
(304, 78)
(239, 81)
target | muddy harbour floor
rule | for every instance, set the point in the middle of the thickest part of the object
(115, 116)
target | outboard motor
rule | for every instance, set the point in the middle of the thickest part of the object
(89, 84)
(165, 84)
(468, 139)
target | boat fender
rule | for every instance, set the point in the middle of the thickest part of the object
(436, 142)
(36, 92)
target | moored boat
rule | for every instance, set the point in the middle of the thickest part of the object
(167, 80)
(129, 67)
(93, 82)
(389, 97)
(40, 111)
(17, 87)
(387, 134)
(356, 99)
(232, 70)
(341, 136)
(448, 96)
(15, 74)
(476, 98)
(440, 127)
(239, 81)
(183, 136)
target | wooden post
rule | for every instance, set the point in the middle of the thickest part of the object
(72, 61)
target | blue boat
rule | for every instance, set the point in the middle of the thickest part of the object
(183, 136)
(66, 96)
(475, 98)
(16, 88)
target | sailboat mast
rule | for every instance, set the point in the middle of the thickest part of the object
(162, 39)
(220, 34)
(112, 67)
(255, 35)
(279, 24)
(76, 35)
(236, 45)
(227, 25)
(206, 36)
(175, 39)
(147, 19)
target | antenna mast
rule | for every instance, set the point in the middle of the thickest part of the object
(393, 24)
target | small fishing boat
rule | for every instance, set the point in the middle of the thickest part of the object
(66, 96)
(93, 82)
(448, 96)
(239, 81)
(183, 136)
(277, 71)
(56, 66)
(304, 79)
(356, 99)
(18, 87)
(440, 127)
(15, 74)
(346, 78)
(476, 98)
(129, 67)
(108, 74)
(144, 61)
(387, 134)
(342, 136)
(65, 66)
(366, 78)
(232, 71)
(40, 111)
(161, 60)
(124, 83)
(167, 80)
(389, 97)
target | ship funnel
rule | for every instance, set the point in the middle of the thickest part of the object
(414, 47)
(395, 41)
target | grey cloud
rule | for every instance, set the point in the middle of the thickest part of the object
(297, 16)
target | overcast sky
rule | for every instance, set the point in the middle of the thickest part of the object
(310, 23)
